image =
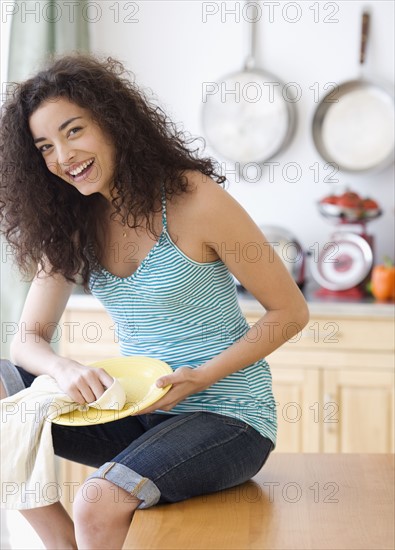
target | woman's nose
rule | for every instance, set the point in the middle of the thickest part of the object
(65, 155)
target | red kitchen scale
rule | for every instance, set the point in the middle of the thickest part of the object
(344, 265)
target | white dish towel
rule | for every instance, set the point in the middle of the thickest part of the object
(28, 473)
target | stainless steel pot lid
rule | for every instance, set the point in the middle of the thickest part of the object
(353, 125)
(250, 115)
(287, 247)
(245, 129)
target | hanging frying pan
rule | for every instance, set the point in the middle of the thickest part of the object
(353, 126)
(250, 115)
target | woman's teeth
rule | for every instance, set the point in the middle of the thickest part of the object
(81, 168)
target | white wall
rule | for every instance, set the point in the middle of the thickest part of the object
(172, 51)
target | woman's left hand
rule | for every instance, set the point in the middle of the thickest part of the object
(185, 381)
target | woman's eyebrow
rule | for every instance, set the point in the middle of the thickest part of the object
(61, 127)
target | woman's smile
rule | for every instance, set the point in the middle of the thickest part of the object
(80, 169)
(73, 146)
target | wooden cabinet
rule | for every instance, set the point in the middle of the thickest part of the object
(296, 390)
(334, 386)
(365, 403)
(88, 334)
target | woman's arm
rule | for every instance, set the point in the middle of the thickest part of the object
(227, 229)
(31, 349)
(242, 246)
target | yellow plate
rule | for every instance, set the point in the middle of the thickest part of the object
(137, 375)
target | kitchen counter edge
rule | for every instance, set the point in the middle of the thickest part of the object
(251, 307)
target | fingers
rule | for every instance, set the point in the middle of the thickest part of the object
(98, 380)
(105, 378)
(163, 405)
(87, 392)
(90, 385)
(182, 374)
(163, 382)
(81, 383)
(77, 396)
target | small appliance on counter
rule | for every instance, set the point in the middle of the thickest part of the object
(344, 264)
(289, 249)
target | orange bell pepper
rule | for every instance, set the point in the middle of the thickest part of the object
(383, 280)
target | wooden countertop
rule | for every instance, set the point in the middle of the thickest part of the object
(297, 501)
(329, 306)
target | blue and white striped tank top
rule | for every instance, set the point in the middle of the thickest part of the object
(186, 312)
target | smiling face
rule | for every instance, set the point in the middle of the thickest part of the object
(73, 146)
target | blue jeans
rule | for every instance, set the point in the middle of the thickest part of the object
(160, 458)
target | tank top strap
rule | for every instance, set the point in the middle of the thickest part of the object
(164, 215)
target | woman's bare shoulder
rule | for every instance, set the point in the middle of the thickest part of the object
(191, 216)
(208, 204)
(201, 190)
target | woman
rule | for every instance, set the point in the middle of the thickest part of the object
(99, 188)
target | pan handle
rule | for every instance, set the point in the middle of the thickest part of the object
(364, 36)
(251, 58)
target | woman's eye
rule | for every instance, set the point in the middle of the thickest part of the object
(43, 148)
(72, 131)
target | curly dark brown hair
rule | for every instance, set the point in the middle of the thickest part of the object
(41, 215)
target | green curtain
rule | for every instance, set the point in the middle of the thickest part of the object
(38, 27)
(46, 26)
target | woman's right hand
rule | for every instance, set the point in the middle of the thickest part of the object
(83, 384)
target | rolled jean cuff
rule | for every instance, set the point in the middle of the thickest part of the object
(137, 486)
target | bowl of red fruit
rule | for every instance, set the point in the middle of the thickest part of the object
(349, 207)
